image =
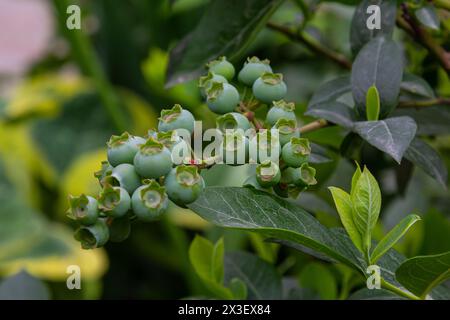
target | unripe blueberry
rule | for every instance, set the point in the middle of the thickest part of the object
(303, 176)
(253, 69)
(176, 118)
(265, 145)
(222, 98)
(206, 82)
(222, 67)
(287, 129)
(296, 152)
(93, 236)
(83, 209)
(122, 149)
(268, 174)
(184, 184)
(114, 201)
(126, 177)
(232, 121)
(269, 87)
(106, 170)
(153, 160)
(149, 201)
(281, 110)
(234, 147)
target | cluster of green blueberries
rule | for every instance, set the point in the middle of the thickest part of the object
(140, 178)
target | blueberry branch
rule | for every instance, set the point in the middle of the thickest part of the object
(315, 125)
(425, 103)
(311, 44)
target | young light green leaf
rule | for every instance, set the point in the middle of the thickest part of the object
(372, 104)
(366, 206)
(238, 288)
(421, 274)
(392, 237)
(217, 261)
(355, 177)
(343, 203)
(317, 277)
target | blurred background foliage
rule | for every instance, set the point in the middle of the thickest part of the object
(54, 125)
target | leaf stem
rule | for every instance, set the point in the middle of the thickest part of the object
(424, 103)
(312, 44)
(90, 65)
(388, 286)
(315, 125)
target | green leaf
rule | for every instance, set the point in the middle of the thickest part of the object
(260, 277)
(430, 121)
(415, 87)
(426, 158)
(343, 203)
(217, 261)
(392, 237)
(330, 91)
(372, 104)
(225, 29)
(379, 63)
(392, 135)
(421, 274)
(238, 288)
(355, 177)
(333, 111)
(318, 278)
(360, 34)
(366, 206)
(23, 286)
(378, 294)
(428, 16)
(258, 211)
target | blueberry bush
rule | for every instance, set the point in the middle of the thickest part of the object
(255, 149)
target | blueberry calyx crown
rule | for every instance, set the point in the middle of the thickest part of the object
(286, 126)
(116, 141)
(300, 146)
(187, 175)
(109, 198)
(78, 207)
(267, 170)
(170, 115)
(308, 174)
(286, 106)
(151, 146)
(214, 91)
(272, 78)
(255, 59)
(153, 194)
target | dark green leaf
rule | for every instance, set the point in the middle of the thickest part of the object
(427, 15)
(414, 87)
(22, 286)
(375, 294)
(421, 274)
(426, 158)
(430, 120)
(331, 91)
(260, 277)
(379, 63)
(392, 135)
(318, 154)
(360, 34)
(225, 29)
(333, 111)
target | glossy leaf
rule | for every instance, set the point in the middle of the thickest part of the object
(343, 203)
(428, 16)
(330, 91)
(426, 158)
(372, 104)
(392, 135)
(421, 274)
(415, 87)
(333, 111)
(360, 34)
(392, 237)
(225, 29)
(379, 63)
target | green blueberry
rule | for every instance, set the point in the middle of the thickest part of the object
(222, 98)
(269, 87)
(268, 174)
(206, 82)
(83, 209)
(265, 145)
(222, 67)
(122, 149)
(153, 160)
(303, 176)
(176, 118)
(114, 201)
(281, 110)
(287, 129)
(232, 121)
(252, 70)
(93, 236)
(125, 176)
(234, 148)
(106, 170)
(296, 152)
(149, 201)
(184, 184)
